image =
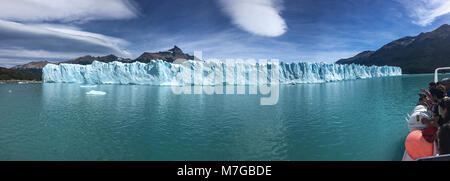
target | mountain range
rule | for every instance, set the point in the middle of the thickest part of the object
(414, 54)
(174, 55)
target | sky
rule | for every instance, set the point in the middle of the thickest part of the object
(288, 30)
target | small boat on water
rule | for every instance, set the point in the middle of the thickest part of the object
(417, 148)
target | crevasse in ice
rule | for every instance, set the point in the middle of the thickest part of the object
(210, 73)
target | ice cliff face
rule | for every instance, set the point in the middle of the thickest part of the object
(210, 73)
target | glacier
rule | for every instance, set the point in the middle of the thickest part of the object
(158, 72)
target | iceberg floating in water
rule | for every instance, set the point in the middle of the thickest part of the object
(94, 92)
(210, 73)
(88, 86)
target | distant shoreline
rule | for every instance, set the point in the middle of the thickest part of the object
(21, 81)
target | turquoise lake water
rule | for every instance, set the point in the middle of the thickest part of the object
(348, 120)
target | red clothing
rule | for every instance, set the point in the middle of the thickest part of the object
(429, 133)
(428, 95)
(430, 103)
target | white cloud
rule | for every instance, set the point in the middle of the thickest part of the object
(44, 40)
(24, 33)
(425, 12)
(260, 17)
(65, 10)
(229, 44)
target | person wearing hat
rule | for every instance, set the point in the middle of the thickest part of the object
(429, 99)
(423, 100)
(429, 133)
(446, 83)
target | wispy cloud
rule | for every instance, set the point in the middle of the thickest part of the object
(425, 12)
(45, 40)
(66, 10)
(28, 29)
(260, 17)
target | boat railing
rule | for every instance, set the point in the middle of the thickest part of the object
(436, 158)
(436, 73)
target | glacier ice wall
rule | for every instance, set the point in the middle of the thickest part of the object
(210, 73)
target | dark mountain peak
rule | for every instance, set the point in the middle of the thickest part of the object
(414, 54)
(444, 27)
(176, 50)
(169, 56)
(86, 56)
(110, 56)
(439, 33)
(84, 60)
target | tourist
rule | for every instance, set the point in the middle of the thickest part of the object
(437, 94)
(446, 84)
(444, 112)
(425, 100)
(430, 86)
(419, 112)
(441, 86)
(430, 102)
(429, 133)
